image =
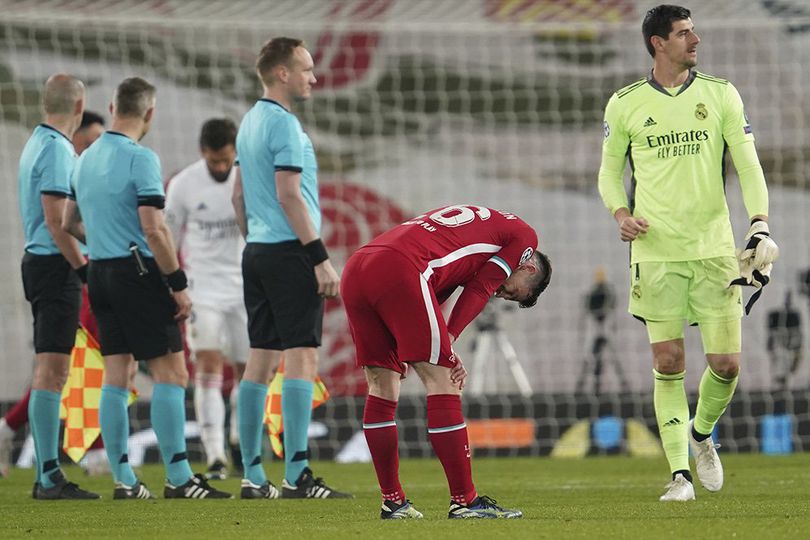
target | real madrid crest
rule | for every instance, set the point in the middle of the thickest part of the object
(701, 112)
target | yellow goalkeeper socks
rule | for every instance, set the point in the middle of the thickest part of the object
(715, 394)
(672, 414)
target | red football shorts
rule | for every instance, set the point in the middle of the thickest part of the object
(393, 313)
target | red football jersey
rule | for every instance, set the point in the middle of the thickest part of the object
(463, 246)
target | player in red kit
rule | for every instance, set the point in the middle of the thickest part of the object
(393, 290)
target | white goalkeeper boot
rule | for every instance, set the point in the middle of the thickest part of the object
(707, 462)
(680, 489)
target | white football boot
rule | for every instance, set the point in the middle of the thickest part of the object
(707, 462)
(680, 489)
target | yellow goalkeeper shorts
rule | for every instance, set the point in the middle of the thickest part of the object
(695, 291)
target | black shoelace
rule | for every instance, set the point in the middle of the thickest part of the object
(319, 482)
(488, 501)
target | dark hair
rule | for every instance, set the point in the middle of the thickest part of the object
(658, 22)
(217, 133)
(275, 52)
(133, 97)
(543, 279)
(89, 118)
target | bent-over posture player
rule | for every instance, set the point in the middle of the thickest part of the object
(392, 289)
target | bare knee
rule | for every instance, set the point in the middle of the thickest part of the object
(51, 372)
(169, 369)
(261, 365)
(668, 356)
(383, 383)
(118, 370)
(209, 361)
(724, 365)
(301, 363)
(435, 378)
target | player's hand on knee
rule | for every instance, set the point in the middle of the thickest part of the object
(458, 373)
(631, 227)
(183, 302)
(760, 250)
(328, 280)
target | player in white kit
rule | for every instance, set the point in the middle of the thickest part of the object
(203, 223)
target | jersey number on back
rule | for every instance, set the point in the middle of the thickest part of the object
(454, 216)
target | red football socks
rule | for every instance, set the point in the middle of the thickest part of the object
(448, 435)
(17, 416)
(381, 434)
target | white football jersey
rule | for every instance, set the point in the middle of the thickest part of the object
(203, 223)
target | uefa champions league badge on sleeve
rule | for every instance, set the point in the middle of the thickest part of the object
(527, 254)
(606, 128)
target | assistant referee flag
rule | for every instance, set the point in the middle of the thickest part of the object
(272, 408)
(81, 396)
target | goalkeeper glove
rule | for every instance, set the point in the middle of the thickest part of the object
(759, 246)
(756, 261)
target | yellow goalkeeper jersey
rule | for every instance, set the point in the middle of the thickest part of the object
(675, 142)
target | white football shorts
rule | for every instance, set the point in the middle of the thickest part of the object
(219, 329)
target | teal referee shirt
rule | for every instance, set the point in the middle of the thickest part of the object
(271, 139)
(112, 178)
(46, 163)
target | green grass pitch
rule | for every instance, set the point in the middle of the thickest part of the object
(612, 497)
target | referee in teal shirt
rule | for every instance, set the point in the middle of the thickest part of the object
(137, 290)
(51, 285)
(286, 269)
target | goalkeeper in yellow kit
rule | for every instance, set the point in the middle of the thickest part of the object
(674, 126)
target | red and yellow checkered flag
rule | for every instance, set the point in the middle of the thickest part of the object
(81, 396)
(272, 408)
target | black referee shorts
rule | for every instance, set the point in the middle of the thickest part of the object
(135, 313)
(281, 296)
(55, 293)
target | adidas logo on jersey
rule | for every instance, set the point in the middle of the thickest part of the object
(672, 422)
(650, 122)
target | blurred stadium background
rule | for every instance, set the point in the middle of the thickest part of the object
(421, 104)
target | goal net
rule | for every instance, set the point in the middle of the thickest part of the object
(494, 102)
